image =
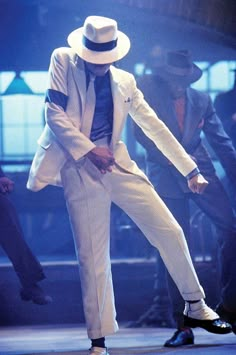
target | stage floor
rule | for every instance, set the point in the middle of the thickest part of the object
(72, 340)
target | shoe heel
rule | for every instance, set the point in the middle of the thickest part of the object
(190, 341)
(190, 322)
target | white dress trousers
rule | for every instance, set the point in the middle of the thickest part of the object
(88, 195)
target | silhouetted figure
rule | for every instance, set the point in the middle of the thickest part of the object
(225, 105)
(26, 266)
(188, 113)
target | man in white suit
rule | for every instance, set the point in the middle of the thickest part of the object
(80, 150)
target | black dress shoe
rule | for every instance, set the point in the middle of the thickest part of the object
(229, 317)
(181, 337)
(216, 326)
(36, 294)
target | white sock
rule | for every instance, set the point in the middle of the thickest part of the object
(199, 310)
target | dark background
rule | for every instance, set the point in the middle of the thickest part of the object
(31, 29)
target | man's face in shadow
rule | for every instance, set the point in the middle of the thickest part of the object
(98, 69)
(177, 89)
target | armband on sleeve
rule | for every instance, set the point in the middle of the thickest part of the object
(57, 98)
(193, 173)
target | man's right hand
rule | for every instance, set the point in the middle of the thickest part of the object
(102, 158)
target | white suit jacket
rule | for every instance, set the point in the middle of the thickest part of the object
(62, 138)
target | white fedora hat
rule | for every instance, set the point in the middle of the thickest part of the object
(99, 41)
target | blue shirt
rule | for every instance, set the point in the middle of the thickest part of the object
(103, 116)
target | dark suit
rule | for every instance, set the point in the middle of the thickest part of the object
(200, 117)
(225, 105)
(26, 266)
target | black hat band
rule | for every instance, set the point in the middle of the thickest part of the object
(99, 47)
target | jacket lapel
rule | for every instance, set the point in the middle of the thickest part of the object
(165, 110)
(192, 117)
(118, 106)
(77, 67)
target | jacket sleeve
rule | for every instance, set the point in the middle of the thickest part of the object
(145, 117)
(152, 152)
(67, 134)
(220, 141)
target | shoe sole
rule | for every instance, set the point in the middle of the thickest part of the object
(188, 342)
(207, 325)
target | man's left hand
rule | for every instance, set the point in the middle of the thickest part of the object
(197, 184)
(6, 184)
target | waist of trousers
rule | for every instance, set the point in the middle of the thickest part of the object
(103, 142)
